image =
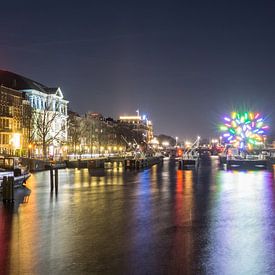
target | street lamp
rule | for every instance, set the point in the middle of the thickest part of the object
(187, 144)
(165, 143)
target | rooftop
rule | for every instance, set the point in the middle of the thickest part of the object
(18, 82)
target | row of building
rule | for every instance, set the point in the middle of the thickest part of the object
(35, 121)
(93, 133)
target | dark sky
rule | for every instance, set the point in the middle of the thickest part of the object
(184, 63)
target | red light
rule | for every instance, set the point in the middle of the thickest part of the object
(179, 152)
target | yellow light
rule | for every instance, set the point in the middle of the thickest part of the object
(101, 148)
(109, 148)
(120, 148)
(15, 140)
(130, 117)
(30, 146)
(115, 148)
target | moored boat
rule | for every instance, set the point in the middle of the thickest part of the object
(11, 167)
(247, 164)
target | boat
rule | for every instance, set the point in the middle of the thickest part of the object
(204, 155)
(246, 163)
(190, 156)
(12, 167)
(189, 160)
(237, 160)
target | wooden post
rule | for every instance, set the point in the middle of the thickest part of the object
(5, 188)
(56, 179)
(180, 164)
(11, 188)
(79, 163)
(51, 177)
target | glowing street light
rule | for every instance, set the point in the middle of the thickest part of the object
(15, 140)
(187, 144)
(165, 143)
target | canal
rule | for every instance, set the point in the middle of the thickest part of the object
(157, 221)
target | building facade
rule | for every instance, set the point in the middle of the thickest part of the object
(48, 113)
(141, 125)
(13, 127)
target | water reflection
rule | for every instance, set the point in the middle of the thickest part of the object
(160, 220)
(241, 223)
(5, 239)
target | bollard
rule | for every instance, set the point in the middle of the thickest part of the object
(51, 177)
(56, 179)
(11, 189)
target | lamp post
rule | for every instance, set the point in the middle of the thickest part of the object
(29, 150)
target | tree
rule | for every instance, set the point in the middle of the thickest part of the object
(27, 125)
(74, 131)
(48, 125)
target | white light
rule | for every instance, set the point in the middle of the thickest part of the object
(154, 141)
(165, 143)
(51, 150)
(15, 140)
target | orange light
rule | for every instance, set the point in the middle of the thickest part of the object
(179, 152)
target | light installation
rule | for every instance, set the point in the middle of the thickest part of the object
(244, 130)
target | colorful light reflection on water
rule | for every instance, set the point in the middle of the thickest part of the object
(155, 221)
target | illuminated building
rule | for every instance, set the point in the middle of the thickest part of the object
(42, 99)
(12, 124)
(140, 124)
(99, 132)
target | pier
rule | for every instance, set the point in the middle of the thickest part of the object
(126, 162)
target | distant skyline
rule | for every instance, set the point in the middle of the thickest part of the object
(182, 64)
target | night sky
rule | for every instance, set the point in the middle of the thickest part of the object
(182, 64)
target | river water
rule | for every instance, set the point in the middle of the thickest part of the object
(157, 221)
